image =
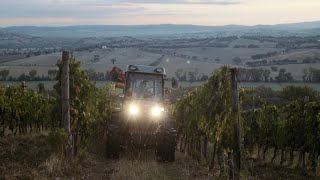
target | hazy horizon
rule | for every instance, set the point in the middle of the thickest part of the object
(150, 12)
(158, 24)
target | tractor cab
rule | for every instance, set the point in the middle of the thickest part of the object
(144, 83)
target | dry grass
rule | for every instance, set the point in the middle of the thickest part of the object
(257, 168)
(21, 156)
(56, 167)
(137, 170)
(146, 167)
(52, 165)
(30, 157)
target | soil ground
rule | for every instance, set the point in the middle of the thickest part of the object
(143, 165)
(30, 157)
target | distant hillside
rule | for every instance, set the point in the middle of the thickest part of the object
(165, 30)
(17, 40)
(292, 26)
(115, 30)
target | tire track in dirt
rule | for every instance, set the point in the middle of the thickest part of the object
(143, 166)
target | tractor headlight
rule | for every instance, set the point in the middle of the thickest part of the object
(156, 110)
(133, 109)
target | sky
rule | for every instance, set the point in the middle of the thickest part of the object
(137, 12)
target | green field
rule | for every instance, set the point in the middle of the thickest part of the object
(275, 86)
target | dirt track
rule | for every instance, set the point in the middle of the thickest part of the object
(144, 166)
(30, 157)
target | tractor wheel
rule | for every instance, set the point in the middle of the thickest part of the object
(166, 143)
(113, 141)
(171, 155)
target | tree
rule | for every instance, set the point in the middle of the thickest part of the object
(32, 73)
(305, 75)
(217, 60)
(183, 77)
(24, 77)
(204, 77)
(194, 57)
(4, 74)
(282, 70)
(283, 76)
(38, 53)
(256, 74)
(242, 74)
(180, 74)
(90, 73)
(192, 76)
(264, 62)
(266, 75)
(275, 69)
(52, 73)
(237, 60)
(107, 75)
(113, 60)
(253, 46)
(29, 54)
(312, 75)
(96, 58)
(41, 88)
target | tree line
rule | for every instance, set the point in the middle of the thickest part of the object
(30, 76)
(181, 55)
(264, 62)
(51, 75)
(250, 46)
(311, 75)
(190, 76)
(286, 42)
(29, 53)
(263, 75)
(260, 56)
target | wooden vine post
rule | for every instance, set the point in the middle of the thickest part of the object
(236, 115)
(65, 95)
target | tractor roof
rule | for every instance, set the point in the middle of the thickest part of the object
(146, 69)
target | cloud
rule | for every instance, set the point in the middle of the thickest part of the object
(67, 9)
(93, 8)
(200, 12)
(212, 2)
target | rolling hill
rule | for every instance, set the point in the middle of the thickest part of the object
(163, 30)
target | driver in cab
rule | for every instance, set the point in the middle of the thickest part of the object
(143, 91)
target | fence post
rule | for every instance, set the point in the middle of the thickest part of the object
(236, 115)
(65, 95)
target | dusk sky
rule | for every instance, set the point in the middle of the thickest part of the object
(132, 12)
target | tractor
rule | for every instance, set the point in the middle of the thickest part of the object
(142, 118)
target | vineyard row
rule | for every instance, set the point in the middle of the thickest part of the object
(204, 117)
